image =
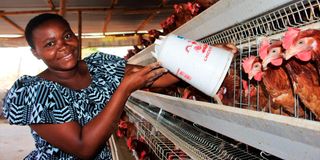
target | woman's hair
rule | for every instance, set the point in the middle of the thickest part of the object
(37, 21)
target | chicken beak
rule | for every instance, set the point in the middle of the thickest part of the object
(250, 75)
(266, 61)
(288, 54)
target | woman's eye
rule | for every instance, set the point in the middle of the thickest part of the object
(49, 44)
(68, 36)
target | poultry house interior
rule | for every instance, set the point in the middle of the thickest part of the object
(282, 87)
(268, 104)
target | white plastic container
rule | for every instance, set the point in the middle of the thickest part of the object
(201, 65)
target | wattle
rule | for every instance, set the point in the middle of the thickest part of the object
(304, 56)
(258, 76)
(277, 62)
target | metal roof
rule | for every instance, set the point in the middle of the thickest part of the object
(97, 16)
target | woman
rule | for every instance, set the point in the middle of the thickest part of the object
(74, 105)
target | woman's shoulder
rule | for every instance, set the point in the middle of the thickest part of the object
(30, 82)
(26, 81)
(100, 58)
(103, 63)
(106, 70)
(28, 97)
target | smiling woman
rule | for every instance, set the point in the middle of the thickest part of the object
(15, 62)
(73, 106)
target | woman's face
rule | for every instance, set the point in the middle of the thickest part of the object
(56, 45)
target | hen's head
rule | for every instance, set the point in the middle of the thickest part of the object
(193, 8)
(123, 124)
(271, 53)
(301, 44)
(177, 8)
(252, 67)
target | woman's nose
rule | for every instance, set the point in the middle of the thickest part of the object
(62, 45)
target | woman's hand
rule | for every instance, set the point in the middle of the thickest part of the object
(138, 78)
(229, 46)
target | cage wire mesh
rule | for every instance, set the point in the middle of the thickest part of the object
(247, 37)
(202, 144)
(161, 146)
(298, 14)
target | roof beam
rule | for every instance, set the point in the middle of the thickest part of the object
(9, 21)
(106, 22)
(146, 21)
(108, 16)
(80, 33)
(51, 5)
(147, 10)
(150, 17)
(123, 10)
(62, 8)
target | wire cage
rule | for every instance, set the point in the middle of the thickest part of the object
(168, 130)
(298, 14)
(266, 132)
(248, 35)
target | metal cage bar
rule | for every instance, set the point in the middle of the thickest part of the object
(295, 15)
(201, 144)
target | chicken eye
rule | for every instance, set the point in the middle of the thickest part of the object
(256, 66)
(300, 42)
(273, 51)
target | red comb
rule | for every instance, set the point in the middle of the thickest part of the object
(245, 84)
(263, 49)
(123, 124)
(143, 155)
(119, 133)
(289, 37)
(190, 6)
(177, 8)
(141, 138)
(129, 143)
(247, 63)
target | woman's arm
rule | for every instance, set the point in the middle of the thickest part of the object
(164, 80)
(168, 78)
(84, 142)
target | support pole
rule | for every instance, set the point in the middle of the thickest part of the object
(62, 8)
(80, 33)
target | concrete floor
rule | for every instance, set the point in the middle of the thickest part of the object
(16, 142)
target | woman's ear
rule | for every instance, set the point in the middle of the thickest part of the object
(34, 52)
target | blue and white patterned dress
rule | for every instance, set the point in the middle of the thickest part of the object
(33, 100)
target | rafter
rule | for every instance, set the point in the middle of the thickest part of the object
(62, 10)
(9, 21)
(147, 10)
(108, 16)
(123, 10)
(51, 5)
(150, 17)
(146, 21)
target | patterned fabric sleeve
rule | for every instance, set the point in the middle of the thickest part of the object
(32, 101)
(107, 70)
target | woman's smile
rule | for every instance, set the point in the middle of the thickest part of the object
(66, 56)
